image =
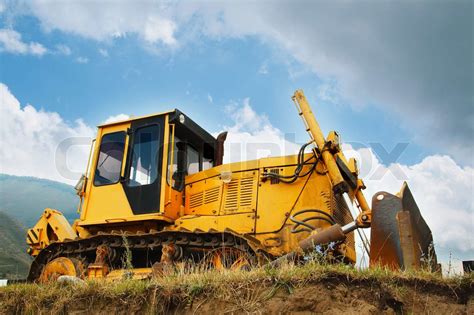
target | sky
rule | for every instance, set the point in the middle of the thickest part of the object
(395, 79)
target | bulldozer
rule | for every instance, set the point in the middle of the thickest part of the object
(156, 193)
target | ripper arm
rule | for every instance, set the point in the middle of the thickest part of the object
(341, 176)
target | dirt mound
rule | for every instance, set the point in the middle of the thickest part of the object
(307, 289)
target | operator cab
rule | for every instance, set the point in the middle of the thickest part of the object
(137, 168)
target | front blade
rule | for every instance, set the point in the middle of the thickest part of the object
(400, 237)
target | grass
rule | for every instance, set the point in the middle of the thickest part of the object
(183, 287)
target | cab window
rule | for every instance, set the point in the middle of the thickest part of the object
(109, 164)
(193, 163)
(144, 156)
(192, 160)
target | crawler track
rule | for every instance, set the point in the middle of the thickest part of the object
(145, 247)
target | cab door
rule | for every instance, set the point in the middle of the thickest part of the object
(143, 171)
(105, 199)
(126, 173)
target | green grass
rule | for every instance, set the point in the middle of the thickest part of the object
(182, 287)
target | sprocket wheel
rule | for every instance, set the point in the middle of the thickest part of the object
(61, 266)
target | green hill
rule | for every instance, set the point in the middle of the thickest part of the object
(24, 198)
(14, 261)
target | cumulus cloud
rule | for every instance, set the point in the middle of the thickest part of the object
(442, 188)
(412, 59)
(11, 42)
(107, 20)
(252, 136)
(116, 118)
(103, 52)
(32, 139)
(41, 143)
(82, 60)
(63, 49)
(263, 68)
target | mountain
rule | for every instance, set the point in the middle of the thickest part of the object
(24, 198)
(14, 261)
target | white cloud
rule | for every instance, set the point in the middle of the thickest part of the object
(252, 136)
(329, 92)
(116, 118)
(37, 49)
(263, 68)
(104, 21)
(31, 139)
(63, 49)
(103, 52)
(41, 143)
(158, 29)
(82, 60)
(11, 42)
(209, 98)
(443, 189)
(410, 58)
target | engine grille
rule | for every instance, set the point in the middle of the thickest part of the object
(240, 195)
(204, 197)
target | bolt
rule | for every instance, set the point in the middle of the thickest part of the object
(365, 217)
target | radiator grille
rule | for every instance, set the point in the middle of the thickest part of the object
(195, 200)
(204, 197)
(212, 195)
(240, 194)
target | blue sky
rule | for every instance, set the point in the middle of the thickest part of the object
(132, 79)
(385, 72)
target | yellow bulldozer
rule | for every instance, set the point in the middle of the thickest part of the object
(156, 191)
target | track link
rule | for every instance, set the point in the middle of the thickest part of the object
(84, 249)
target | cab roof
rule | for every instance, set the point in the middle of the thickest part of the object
(135, 118)
(196, 131)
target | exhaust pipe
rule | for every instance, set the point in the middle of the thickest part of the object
(219, 154)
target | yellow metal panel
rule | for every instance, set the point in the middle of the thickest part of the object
(204, 197)
(174, 200)
(213, 196)
(218, 170)
(276, 201)
(245, 166)
(240, 194)
(132, 218)
(164, 164)
(240, 223)
(107, 202)
(173, 207)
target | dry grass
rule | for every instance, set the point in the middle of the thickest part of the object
(184, 288)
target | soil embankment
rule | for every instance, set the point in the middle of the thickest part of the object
(306, 289)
